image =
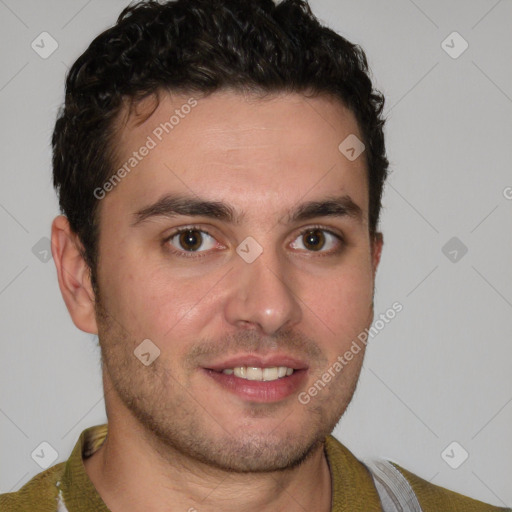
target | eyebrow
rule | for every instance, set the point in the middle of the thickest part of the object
(173, 205)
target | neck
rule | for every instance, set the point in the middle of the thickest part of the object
(132, 475)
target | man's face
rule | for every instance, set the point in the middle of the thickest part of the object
(208, 307)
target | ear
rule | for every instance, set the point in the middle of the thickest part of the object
(377, 243)
(73, 274)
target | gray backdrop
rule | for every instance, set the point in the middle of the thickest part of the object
(435, 393)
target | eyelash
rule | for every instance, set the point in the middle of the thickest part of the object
(201, 254)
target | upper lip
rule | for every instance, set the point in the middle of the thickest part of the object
(259, 361)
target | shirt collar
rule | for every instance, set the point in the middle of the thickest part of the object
(78, 493)
(351, 483)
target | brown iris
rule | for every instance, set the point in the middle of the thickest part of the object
(191, 239)
(313, 238)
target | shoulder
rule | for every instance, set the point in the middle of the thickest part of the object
(394, 486)
(46, 490)
(434, 498)
(39, 494)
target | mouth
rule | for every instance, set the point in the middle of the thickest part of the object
(255, 379)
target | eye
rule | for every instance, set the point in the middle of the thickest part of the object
(191, 239)
(317, 238)
(193, 242)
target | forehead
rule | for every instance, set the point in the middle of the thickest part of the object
(241, 149)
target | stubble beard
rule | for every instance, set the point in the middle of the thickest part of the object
(180, 427)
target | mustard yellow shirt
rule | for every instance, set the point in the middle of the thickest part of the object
(66, 486)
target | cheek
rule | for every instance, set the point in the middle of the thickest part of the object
(133, 293)
(159, 304)
(344, 301)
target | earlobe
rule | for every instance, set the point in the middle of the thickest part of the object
(74, 275)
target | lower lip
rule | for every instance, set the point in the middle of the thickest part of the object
(260, 391)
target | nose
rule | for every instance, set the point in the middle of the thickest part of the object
(262, 295)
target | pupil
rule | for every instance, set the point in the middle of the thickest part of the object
(190, 240)
(314, 238)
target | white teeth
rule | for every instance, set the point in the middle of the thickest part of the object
(240, 371)
(261, 374)
(270, 373)
(254, 373)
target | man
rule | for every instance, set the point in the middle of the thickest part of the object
(220, 167)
